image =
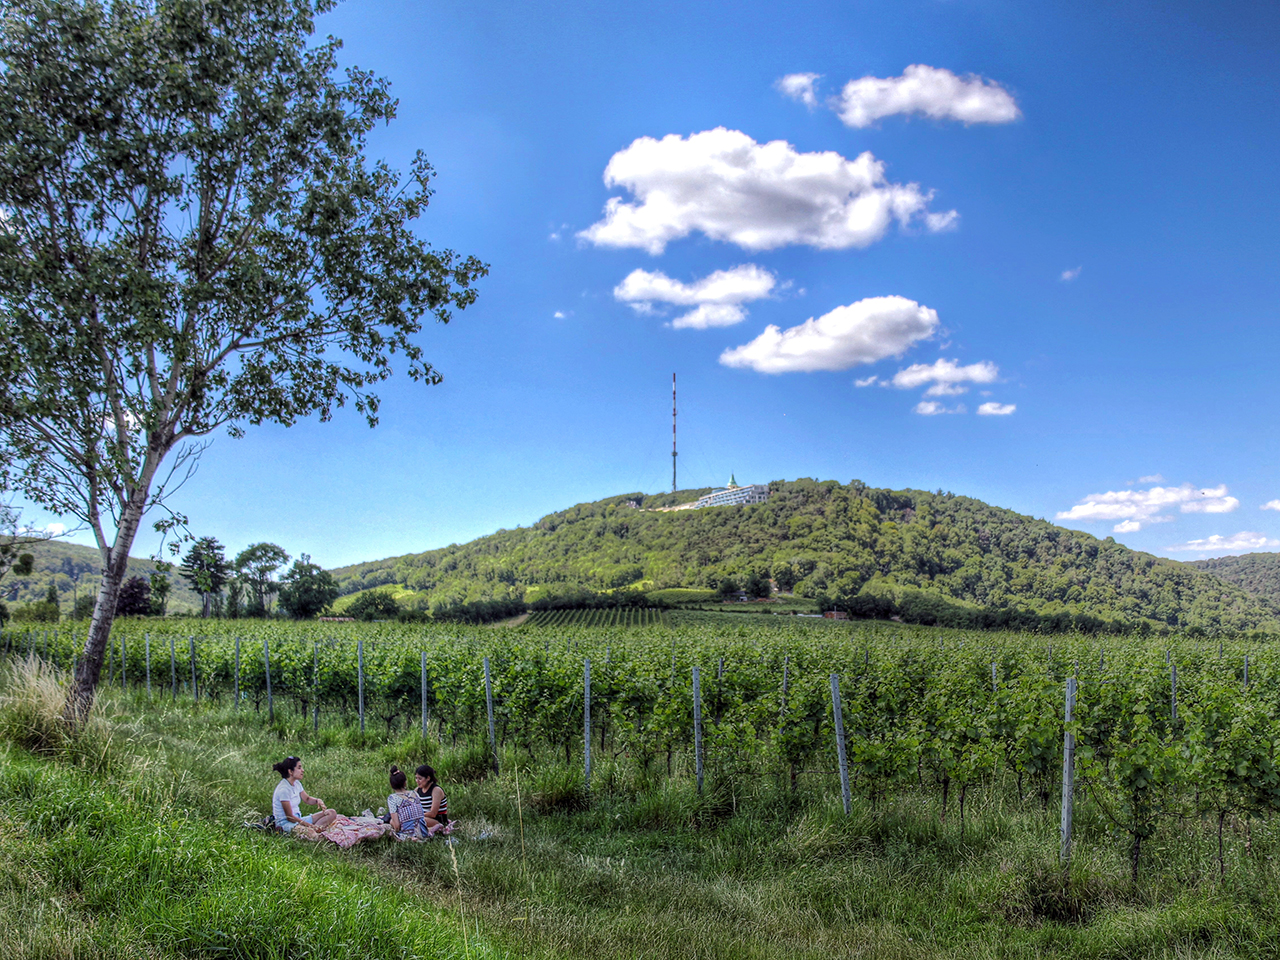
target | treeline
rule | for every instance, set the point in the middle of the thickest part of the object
(827, 541)
(1257, 573)
(884, 601)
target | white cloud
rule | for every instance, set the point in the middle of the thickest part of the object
(800, 86)
(947, 377)
(717, 298)
(866, 381)
(55, 529)
(941, 222)
(926, 90)
(710, 315)
(1068, 275)
(862, 332)
(1145, 506)
(759, 196)
(1128, 526)
(1154, 478)
(993, 409)
(1214, 500)
(738, 285)
(1241, 542)
(931, 408)
(559, 314)
(1271, 505)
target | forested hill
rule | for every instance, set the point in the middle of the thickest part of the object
(74, 570)
(1257, 573)
(828, 541)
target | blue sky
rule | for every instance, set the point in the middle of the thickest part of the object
(1106, 288)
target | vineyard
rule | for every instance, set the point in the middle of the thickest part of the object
(609, 617)
(1163, 733)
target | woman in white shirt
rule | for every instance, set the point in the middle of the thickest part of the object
(289, 796)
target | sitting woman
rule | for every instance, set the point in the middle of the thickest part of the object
(286, 802)
(431, 794)
(405, 807)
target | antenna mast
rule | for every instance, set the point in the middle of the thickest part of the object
(673, 433)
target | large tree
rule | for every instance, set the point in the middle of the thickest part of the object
(306, 590)
(191, 237)
(257, 565)
(205, 567)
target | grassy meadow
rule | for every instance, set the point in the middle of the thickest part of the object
(129, 841)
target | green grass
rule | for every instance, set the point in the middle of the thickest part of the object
(143, 855)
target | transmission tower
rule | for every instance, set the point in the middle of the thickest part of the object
(673, 433)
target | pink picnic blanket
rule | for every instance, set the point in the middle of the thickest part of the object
(346, 832)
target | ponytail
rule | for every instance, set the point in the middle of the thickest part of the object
(285, 766)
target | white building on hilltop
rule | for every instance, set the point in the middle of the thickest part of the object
(734, 495)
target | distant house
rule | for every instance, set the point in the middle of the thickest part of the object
(836, 615)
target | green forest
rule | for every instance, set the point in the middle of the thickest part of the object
(1257, 573)
(871, 551)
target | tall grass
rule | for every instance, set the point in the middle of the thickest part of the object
(32, 696)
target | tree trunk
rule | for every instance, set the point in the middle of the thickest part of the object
(89, 668)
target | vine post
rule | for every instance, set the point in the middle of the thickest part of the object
(236, 688)
(266, 660)
(195, 690)
(786, 676)
(586, 724)
(488, 703)
(840, 753)
(1068, 773)
(424, 695)
(697, 727)
(173, 671)
(360, 679)
(146, 637)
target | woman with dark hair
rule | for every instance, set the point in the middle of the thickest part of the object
(431, 794)
(289, 796)
(406, 809)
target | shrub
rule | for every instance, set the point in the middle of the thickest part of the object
(481, 611)
(42, 612)
(134, 599)
(374, 605)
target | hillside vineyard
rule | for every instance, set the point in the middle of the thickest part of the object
(1163, 730)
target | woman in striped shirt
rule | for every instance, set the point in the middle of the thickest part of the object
(435, 804)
